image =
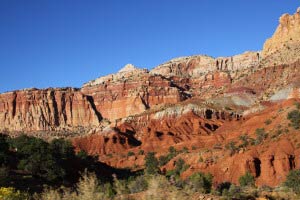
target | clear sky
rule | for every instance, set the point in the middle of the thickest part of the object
(57, 43)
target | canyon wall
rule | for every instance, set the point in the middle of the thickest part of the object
(287, 33)
(47, 109)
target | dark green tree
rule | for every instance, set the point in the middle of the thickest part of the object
(247, 180)
(35, 156)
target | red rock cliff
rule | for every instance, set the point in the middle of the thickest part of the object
(48, 109)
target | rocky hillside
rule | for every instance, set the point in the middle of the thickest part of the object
(198, 102)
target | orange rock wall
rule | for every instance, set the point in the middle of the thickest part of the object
(49, 109)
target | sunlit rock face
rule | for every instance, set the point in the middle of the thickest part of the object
(48, 109)
(287, 33)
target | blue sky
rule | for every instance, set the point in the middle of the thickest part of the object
(57, 43)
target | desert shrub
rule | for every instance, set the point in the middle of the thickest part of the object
(297, 104)
(231, 147)
(159, 188)
(261, 135)
(293, 181)
(151, 163)
(130, 153)
(120, 186)
(268, 122)
(200, 182)
(184, 150)
(109, 155)
(294, 117)
(180, 166)
(9, 193)
(139, 184)
(172, 151)
(163, 160)
(156, 184)
(234, 192)
(141, 152)
(108, 190)
(247, 180)
(223, 187)
(201, 159)
(245, 140)
(87, 188)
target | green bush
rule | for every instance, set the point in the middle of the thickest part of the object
(180, 166)
(245, 140)
(268, 122)
(297, 104)
(151, 163)
(184, 150)
(201, 182)
(294, 117)
(141, 152)
(231, 147)
(163, 160)
(172, 151)
(130, 153)
(293, 181)
(247, 180)
(261, 135)
(9, 193)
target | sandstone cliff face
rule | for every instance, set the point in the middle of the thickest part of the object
(288, 32)
(133, 95)
(271, 82)
(49, 109)
(197, 66)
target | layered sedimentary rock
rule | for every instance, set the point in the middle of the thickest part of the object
(109, 141)
(157, 130)
(196, 66)
(269, 168)
(48, 109)
(287, 33)
(273, 82)
(126, 72)
(132, 93)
